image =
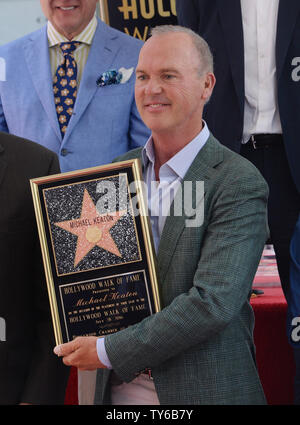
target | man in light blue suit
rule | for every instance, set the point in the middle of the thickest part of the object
(104, 122)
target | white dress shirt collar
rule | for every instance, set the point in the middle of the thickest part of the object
(181, 162)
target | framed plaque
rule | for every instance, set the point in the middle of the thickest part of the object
(137, 17)
(97, 249)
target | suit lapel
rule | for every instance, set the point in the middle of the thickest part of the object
(231, 21)
(101, 56)
(287, 16)
(3, 164)
(36, 52)
(201, 170)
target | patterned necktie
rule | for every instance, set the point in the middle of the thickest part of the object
(65, 85)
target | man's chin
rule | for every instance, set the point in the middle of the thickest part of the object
(68, 28)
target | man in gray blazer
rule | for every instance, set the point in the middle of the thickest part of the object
(199, 347)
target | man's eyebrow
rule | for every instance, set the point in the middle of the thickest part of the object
(161, 71)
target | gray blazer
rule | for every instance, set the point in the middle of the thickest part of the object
(200, 346)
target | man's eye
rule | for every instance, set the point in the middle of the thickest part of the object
(141, 77)
(168, 76)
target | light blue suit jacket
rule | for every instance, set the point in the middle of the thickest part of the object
(200, 345)
(105, 122)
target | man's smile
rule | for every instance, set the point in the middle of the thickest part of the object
(156, 106)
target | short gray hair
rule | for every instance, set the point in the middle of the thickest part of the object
(201, 46)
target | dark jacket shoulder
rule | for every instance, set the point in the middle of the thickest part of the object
(27, 155)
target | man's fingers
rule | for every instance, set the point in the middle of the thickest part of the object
(70, 360)
(81, 353)
(65, 349)
(58, 350)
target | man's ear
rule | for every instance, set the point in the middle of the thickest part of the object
(209, 84)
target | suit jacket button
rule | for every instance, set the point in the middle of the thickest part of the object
(64, 152)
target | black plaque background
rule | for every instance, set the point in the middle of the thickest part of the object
(97, 273)
(111, 317)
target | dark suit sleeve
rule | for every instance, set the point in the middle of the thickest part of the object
(47, 378)
(188, 14)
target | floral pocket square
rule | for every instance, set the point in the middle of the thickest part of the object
(114, 77)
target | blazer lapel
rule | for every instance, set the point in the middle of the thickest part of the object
(102, 53)
(287, 16)
(3, 164)
(36, 52)
(201, 170)
(231, 21)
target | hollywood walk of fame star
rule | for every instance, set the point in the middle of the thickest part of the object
(92, 229)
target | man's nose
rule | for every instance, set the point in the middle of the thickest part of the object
(153, 86)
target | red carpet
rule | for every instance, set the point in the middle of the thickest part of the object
(273, 353)
(71, 393)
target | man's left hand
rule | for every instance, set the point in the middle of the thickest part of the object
(80, 353)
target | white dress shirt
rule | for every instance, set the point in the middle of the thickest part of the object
(161, 193)
(80, 54)
(261, 114)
